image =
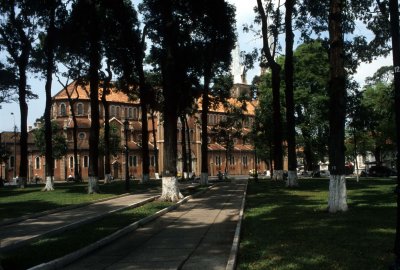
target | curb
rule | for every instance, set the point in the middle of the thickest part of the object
(232, 261)
(69, 258)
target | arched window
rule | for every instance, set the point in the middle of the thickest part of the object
(130, 113)
(63, 109)
(135, 113)
(71, 162)
(85, 161)
(117, 111)
(112, 110)
(80, 108)
(37, 163)
(244, 160)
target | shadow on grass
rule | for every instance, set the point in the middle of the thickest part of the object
(291, 229)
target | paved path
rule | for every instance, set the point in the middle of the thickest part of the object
(197, 235)
(19, 233)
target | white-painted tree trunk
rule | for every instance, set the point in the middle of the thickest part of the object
(291, 181)
(93, 185)
(157, 176)
(337, 200)
(145, 178)
(278, 175)
(49, 184)
(170, 189)
(204, 179)
(107, 178)
(185, 175)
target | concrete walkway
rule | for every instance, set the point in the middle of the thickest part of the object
(197, 235)
(20, 233)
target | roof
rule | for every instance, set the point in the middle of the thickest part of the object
(76, 90)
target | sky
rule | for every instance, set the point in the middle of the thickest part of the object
(247, 42)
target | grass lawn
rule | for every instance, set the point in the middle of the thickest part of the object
(53, 247)
(291, 229)
(16, 202)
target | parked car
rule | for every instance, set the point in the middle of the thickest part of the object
(381, 171)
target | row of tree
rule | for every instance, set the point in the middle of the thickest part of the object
(101, 41)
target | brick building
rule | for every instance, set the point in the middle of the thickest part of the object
(121, 108)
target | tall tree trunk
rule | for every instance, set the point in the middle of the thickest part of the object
(394, 24)
(104, 102)
(189, 148)
(23, 141)
(94, 59)
(337, 110)
(48, 131)
(155, 149)
(170, 188)
(276, 81)
(204, 134)
(145, 129)
(292, 160)
(183, 148)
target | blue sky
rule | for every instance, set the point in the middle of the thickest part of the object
(247, 42)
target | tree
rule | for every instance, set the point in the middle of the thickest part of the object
(337, 110)
(290, 119)
(174, 28)
(17, 32)
(52, 14)
(214, 40)
(271, 31)
(311, 67)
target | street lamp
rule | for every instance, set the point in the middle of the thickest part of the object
(126, 128)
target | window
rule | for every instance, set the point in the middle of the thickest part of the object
(132, 161)
(37, 163)
(130, 113)
(71, 162)
(112, 111)
(231, 160)
(217, 160)
(117, 111)
(63, 109)
(85, 161)
(244, 160)
(80, 108)
(135, 113)
(12, 161)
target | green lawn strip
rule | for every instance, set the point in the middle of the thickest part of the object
(52, 247)
(16, 202)
(291, 229)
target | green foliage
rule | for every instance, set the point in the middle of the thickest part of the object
(376, 116)
(311, 71)
(59, 142)
(115, 140)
